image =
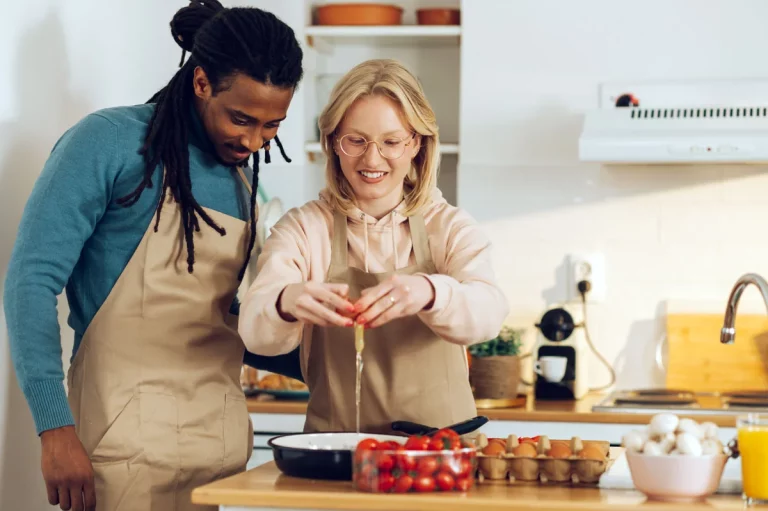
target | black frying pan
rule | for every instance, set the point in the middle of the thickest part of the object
(329, 455)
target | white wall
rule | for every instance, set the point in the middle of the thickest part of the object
(530, 71)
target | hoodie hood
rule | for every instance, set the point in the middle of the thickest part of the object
(395, 217)
(389, 222)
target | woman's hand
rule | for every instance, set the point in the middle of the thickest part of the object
(317, 303)
(399, 296)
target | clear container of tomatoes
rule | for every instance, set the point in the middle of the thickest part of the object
(440, 462)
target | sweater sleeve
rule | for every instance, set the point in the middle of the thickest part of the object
(284, 260)
(469, 306)
(67, 201)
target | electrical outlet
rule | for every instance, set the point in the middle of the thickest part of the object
(589, 267)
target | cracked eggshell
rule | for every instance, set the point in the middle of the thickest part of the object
(688, 444)
(690, 426)
(663, 423)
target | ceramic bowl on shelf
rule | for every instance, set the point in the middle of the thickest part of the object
(435, 16)
(356, 14)
(676, 478)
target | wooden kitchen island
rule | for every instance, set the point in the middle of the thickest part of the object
(266, 488)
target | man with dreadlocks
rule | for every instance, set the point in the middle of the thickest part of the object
(147, 215)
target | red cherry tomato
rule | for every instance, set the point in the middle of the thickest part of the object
(427, 465)
(424, 483)
(466, 468)
(363, 450)
(389, 445)
(385, 462)
(405, 462)
(456, 466)
(417, 443)
(385, 482)
(463, 484)
(403, 483)
(444, 481)
(367, 444)
(437, 444)
(446, 433)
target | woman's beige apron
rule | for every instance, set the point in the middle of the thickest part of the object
(155, 384)
(409, 373)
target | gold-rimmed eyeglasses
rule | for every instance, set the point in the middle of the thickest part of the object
(390, 148)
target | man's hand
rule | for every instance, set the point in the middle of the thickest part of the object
(67, 470)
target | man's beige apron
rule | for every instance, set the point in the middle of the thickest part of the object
(155, 384)
(409, 373)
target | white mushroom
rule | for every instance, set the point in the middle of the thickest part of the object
(633, 441)
(663, 423)
(690, 426)
(668, 442)
(652, 448)
(688, 444)
(709, 429)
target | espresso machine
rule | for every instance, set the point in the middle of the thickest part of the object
(561, 335)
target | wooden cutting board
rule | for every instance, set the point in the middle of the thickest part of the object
(697, 361)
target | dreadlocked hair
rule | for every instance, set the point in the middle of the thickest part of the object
(223, 42)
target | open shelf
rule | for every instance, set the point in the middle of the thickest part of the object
(384, 31)
(314, 148)
(385, 35)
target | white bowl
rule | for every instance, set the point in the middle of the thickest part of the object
(677, 477)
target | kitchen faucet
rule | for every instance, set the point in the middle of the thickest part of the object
(728, 333)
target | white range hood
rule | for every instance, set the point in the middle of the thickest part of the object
(684, 123)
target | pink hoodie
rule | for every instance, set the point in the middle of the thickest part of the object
(469, 307)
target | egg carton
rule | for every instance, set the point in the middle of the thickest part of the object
(543, 468)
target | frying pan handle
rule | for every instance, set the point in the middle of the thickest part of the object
(468, 426)
(462, 428)
(412, 428)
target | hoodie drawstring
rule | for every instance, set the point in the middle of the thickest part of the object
(394, 239)
(365, 235)
(365, 238)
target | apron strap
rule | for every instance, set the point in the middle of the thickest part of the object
(419, 239)
(339, 242)
(244, 179)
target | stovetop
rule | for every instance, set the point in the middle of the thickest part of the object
(684, 401)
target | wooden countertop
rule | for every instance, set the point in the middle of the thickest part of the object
(266, 487)
(533, 411)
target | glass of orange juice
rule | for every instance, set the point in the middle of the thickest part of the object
(752, 431)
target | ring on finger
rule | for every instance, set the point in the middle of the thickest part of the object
(392, 299)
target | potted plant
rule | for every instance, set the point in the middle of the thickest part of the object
(494, 369)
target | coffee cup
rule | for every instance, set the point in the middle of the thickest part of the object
(551, 368)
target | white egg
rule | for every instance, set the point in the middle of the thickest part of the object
(709, 429)
(652, 448)
(663, 423)
(668, 442)
(633, 441)
(690, 426)
(688, 444)
(711, 446)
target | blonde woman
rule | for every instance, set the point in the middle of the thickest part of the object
(380, 246)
